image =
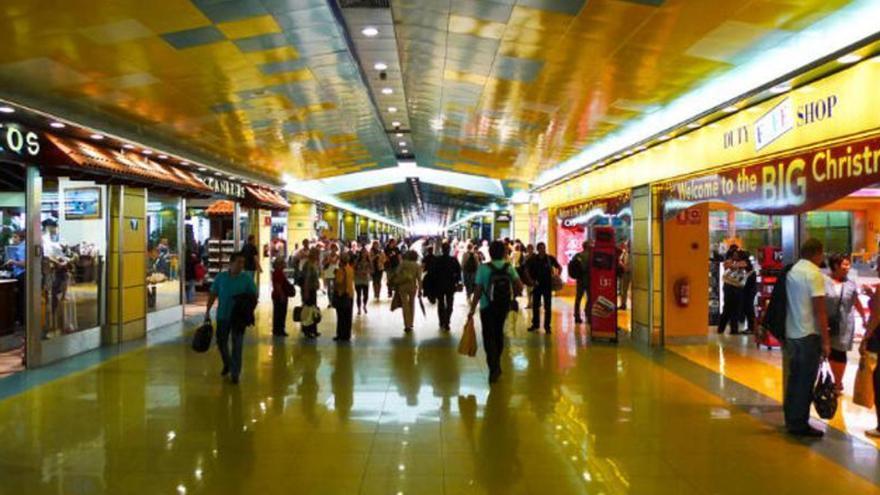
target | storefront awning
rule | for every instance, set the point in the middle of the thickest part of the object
(266, 199)
(106, 165)
(222, 207)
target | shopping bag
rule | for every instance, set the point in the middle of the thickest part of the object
(201, 341)
(468, 343)
(297, 314)
(863, 390)
(824, 394)
(510, 322)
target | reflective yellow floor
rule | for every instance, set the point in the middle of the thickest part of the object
(396, 414)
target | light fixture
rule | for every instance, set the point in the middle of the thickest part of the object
(369, 31)
(665, 137)
(731, 109)
(162, 157)
(184, 163)
(203, 169)
(402, 143)
(849, 58)
(380, 66)
(387, 91)
(399, 134)
(392, 109)
(404, 151)
(780, 88)
(97, 136)
(7, 109)
(57, 125)
(693, 125)
(147, 152)
(128, 146)
(396, 123)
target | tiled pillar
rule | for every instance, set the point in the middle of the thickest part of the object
(522, 221)
(349, 223)
(300, 222)
(126, 271)
(645, 256)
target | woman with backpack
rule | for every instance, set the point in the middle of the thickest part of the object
(495, 289)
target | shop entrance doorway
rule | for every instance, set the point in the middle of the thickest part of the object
(13, 268)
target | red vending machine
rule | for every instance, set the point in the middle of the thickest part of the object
(603, 285)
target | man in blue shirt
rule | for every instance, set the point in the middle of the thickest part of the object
(225, 287)
(16, 263)
(495, 287)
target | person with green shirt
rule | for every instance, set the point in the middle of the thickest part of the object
(226, 286)
(495, 288)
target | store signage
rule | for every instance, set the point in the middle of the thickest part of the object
(790, 184)
(223, 186)
(774, 124)
(504, 217)
(579, 214)
(18, 141)
(816, 110)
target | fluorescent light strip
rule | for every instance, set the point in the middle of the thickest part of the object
(848, 26)
(303, 189)
(468, 218)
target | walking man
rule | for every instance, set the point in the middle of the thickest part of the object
(445, 272)
(579, 270)
(540, 268)
(224, 289)
(807, 339)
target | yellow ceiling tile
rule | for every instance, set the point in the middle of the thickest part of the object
(476, 27)
(251, 26)
(279, 54)
(457, 76)
(288, 77)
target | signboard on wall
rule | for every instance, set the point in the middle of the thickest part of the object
(790, 184)
(223, 186)
(584, 213)
(18, 143)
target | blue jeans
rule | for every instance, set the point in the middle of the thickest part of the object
(804, 356)
(190, 291)
(231, 362)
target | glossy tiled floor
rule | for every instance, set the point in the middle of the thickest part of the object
(393, 414)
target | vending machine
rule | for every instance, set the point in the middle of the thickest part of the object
(603, 285)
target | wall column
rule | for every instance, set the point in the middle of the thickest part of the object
(300, 221)
(646, 254)
(126, 270)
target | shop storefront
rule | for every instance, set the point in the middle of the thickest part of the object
(74, 217)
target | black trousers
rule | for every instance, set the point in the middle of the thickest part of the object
(877, 393)
(444, 307)
(343, 305)
(363, 294)
(804, 357)
(309, 298)
(732, 312)
(279, 314)
(582, 292)
(20, 299)
(540, 292)
(493, 337)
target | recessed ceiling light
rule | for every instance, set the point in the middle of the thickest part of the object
(850, 58)
(128, 146)
(97, 136)
(402, 143)
(218, 174)
(369, 31)
(380, 66)
(665, 137)
(163, 157)
(203, 169)
(387, 91)
(392, 109)
(404, 151)
(780, 88)
(184, 163)
(731, 109)
(399, 134)
(693, 125)
(57, 125)
(7, 109)
(147, 152)
(395, 123)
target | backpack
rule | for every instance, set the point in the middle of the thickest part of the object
(575, 268)
(470, 263)
(500, 291)
(777, 308)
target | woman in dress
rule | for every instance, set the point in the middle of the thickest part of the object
(841, 297)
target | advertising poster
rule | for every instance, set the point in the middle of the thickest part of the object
(569, 241)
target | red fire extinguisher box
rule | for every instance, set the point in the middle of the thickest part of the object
(603, 285)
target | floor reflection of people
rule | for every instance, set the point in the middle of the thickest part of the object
(498, 467)
(439, 358)
(342, 382)
(405, 370)
(281, 376)
(541, 377)
(234, 447)
(306, 360)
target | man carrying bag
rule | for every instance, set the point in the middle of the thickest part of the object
(225, 289)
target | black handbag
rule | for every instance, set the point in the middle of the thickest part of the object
(297, 314)
(201, 340)
(824, 395)
(836, 319)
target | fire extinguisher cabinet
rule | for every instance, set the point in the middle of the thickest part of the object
(603, 285)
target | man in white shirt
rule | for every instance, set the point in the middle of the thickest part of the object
(807, 338)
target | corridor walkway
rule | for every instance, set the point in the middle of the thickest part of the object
(395, 414)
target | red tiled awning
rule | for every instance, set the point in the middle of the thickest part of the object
(83, 158)
(266, 199)
(223, 207)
